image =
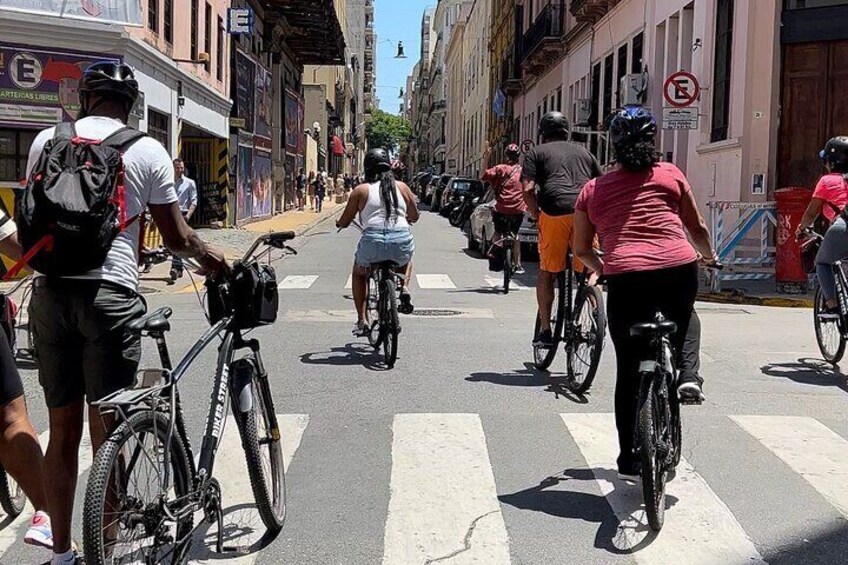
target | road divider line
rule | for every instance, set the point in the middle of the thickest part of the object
(443, 498)
(435, 282)
(810, 448)
(699, 528)
(298, 282)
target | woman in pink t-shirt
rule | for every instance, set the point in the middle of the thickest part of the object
(641, 212)
(829, 199)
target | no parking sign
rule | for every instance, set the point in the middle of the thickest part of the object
(681, 89)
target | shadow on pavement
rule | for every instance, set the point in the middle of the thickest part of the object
(614, 535)
(351, 355)
(823, 549)
(529, 376)
(244, 535)
(809, 372)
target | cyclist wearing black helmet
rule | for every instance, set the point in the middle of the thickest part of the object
(384, 208)
(641, 212)
(510, 207)
(829, 199)
(79, 323)
(553, 174)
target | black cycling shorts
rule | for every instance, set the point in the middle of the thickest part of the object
(11, 386)
(507, 223)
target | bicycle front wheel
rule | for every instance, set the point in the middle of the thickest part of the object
(543, 357)
(124, 519)
(12, 497)
(829, 334)
(654, 444)
(372, 313)
(391, 326)
(590, 326)
(260, 440)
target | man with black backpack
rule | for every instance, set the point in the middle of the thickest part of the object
(88, 183)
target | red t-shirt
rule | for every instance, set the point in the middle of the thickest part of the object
(506, 182)
(833, 189)
(637, 218)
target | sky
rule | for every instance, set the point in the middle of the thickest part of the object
(396, 20)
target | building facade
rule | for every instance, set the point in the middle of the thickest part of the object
(476, 95)
(504, 75)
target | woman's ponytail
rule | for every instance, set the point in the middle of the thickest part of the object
(388, 194)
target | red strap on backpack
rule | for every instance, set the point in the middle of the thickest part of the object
(44, 242)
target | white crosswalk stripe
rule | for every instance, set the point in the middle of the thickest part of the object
(810, 448)
(494, 282)
(298, 282)
(434, 282)
(699, 528)
(349, 282)
(443, 499)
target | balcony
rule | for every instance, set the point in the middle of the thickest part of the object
(314, 33)
(438, 106)
(542, 45)
(590, 11)
(511, 82)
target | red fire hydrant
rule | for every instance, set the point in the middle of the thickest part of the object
(791, 204)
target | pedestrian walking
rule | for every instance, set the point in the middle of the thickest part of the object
(340, 185)
(311, 185)
(300, 188)
(187, 196)
(320, 193)
(88, 292)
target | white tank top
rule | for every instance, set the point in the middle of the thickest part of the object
(373, 216)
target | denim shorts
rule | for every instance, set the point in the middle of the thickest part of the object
(392, 244)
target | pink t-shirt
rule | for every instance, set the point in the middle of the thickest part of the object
(637, 218)
(833, 189)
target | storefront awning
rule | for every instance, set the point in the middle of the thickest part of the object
(316, 36)
(338, 146)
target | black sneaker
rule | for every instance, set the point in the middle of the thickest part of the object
(405, 306)
(690, 392)
(544, 339)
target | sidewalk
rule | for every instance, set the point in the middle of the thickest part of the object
(757, 293)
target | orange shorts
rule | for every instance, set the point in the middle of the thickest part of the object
(556, 239)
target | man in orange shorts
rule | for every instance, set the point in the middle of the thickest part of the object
(554, 173)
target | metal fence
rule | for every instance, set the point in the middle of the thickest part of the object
(741, 234)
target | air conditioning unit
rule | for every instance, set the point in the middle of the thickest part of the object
(633, 89)
(583, 112)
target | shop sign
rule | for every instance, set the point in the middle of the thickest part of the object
(239, 21)
(124, 12)
(39, 87)
(245, 89)
(295, 136)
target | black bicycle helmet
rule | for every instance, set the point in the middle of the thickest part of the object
(512, 152)
(553, 124)
(835, 153)
(632, 124)
(109, 80)
(377, 161)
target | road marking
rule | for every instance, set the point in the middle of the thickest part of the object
(699, 528)
(443, 498)
(434, 282)
(810, 448)
(241, 518)
(348, 316)
(349, 283)
(498, 283)
(298, 282)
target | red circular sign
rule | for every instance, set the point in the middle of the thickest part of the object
(681, 89)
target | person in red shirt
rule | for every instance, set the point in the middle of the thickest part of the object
(641, 212)
(829, 199)
(509, 197)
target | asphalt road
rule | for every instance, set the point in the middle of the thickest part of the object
(463, 454)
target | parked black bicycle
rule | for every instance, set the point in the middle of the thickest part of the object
(831, 327)
(145, 487)
(579, 324)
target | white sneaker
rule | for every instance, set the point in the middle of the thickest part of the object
(361, 329)
(40, 532)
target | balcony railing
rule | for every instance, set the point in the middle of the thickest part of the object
(510, 76)
(590, 11)
(548, 25)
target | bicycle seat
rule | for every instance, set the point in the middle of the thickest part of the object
(653, 329)
(155, 322)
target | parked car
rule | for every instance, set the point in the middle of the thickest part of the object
(481, 229)
(436, 200)
(457, 188)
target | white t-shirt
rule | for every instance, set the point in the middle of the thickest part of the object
(149, 180)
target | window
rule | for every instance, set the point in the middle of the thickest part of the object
(721, 70)
(159, 127)
(608, 86)
(169, 21)
(545, 106)
(638, 46)
(207, 36)
(559, 99)
(596, 101)
(14, 152)
(221, 46)
(194, 16)
(153, 15)
(621, 68)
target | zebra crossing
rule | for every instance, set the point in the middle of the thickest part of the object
(421, 281)
(444, 501)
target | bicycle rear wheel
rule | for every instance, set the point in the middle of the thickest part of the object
(508, 266)
(654, 444)
(391, 325)
(12, 497)
(543, 357)
(124, 521)
(829, 334)
(372, 311)
(590, 326)
(260, 440)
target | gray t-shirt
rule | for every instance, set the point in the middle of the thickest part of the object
(149, 180)
(560, 170)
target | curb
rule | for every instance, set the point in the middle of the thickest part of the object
(773, 301)
(318, 221)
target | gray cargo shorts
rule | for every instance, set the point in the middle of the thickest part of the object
(81, 340)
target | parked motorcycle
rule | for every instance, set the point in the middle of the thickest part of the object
(462, 212)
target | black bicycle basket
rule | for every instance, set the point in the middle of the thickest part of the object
(250, 295)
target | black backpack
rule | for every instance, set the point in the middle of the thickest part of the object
(74, 204)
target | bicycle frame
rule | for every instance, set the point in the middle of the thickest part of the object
(841, 295)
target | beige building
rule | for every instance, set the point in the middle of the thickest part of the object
(456, 86)
(476, 96)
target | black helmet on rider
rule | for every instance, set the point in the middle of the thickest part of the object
(835, 154)
(512, 152)
(554, 126)
(377, 161)
(109, 81)
(632, 131)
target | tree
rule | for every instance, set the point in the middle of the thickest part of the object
(387, 131)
